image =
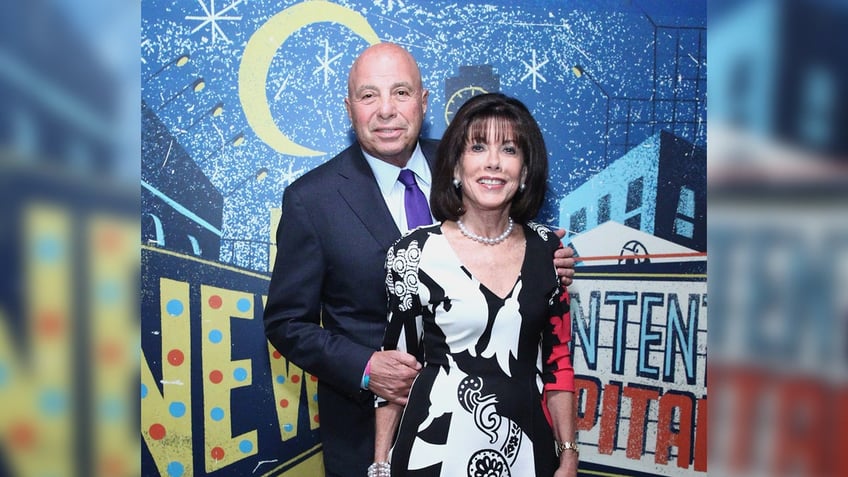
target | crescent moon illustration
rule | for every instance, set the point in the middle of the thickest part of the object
(260, 51)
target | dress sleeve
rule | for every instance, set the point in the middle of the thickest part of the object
(404, 330)
(557, 371)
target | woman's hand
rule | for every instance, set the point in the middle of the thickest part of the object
(567, 464)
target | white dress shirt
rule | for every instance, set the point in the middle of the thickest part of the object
(393, 190)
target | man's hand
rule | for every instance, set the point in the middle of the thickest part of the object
(564, 261)
(392, 373)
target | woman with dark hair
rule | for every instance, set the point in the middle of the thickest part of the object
(476, 300)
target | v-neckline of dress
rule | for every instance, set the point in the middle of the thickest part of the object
(474, 278)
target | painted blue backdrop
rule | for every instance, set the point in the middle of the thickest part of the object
(239, 98)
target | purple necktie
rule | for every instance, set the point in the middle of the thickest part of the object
(417, 211)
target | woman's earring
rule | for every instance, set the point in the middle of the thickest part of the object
(456, 183)
(522, 187)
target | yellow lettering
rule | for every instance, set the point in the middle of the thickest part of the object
(222, 374)
(36, 402)
(287, 383)
(166, 416)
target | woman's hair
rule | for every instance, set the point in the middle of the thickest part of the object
(480, 116)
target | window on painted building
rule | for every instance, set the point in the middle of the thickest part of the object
(152, 232)
(24, 134)
(195, 245)
(633, 204)
(604, 209)
(818, 112)
(634, 195)
(740, 86)
(577, 223)
(684, 221)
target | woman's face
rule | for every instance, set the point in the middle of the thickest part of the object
(491, 170)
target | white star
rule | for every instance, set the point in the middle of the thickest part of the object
(390, 4)
(290, 175)
(324, 63)
(534, 70)
(145, 45)
(212, 18)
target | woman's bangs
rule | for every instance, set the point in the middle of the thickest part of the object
(491, 130)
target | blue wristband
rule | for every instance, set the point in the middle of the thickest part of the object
(366, 376)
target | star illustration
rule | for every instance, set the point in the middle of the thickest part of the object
(390, 4)
(290, 175)
(212, 18)
(324, 63)
(534, 70)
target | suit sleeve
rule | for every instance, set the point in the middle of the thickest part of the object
(292, 315)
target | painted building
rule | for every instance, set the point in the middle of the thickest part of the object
(180, 208)
(658, 187)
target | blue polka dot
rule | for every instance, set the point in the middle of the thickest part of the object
(52, 402)
(216, 336)
(288, 427)
(240, 374)
(243, 305)
(245, 446)
(112, 409)
(48, 249)
(143, 391)
(108, 292)
(177, 409)
(315, 397)
(216, 414)
(175, 469)
(281, 379)
(174, 307)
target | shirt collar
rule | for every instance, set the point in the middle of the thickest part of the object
(387, 174)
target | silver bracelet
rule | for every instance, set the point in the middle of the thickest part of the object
(379, 469)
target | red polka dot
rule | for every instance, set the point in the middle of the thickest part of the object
(215, 301)
(314, 379)
(50, 324)
(111, 353)
(156, 431)
(217, 453)
(112, 467)
(295, 379)
(109, 240)
(316, 419)
(284, 403)
(276, 355)
(216, 376)
(175, 357)
(22, 436)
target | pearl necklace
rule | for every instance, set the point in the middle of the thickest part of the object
(486, 240)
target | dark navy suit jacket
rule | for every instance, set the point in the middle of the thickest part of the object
(332, 240)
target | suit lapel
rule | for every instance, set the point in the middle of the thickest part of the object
(359, 190)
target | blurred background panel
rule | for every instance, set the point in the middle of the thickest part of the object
(69, 148)
(778, 236)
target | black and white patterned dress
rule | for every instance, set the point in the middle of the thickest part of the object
(476, 407)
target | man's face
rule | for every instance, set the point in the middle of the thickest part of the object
(386, 103)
